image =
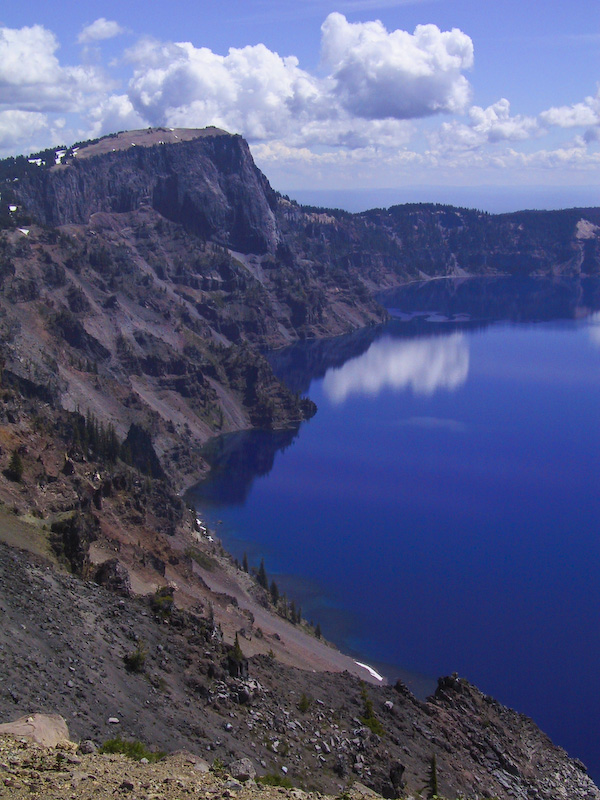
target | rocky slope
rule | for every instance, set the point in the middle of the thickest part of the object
(67, 645)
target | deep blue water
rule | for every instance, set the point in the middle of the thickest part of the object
(441, 512)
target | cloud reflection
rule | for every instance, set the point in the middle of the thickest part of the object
(423, 365)
(594, 329)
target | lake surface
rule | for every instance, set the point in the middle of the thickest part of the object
(441, 512)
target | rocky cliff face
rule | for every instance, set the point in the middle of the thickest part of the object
(208, 184)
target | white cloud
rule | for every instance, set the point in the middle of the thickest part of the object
(379, 74)
(17, 127)
(423, 365)
(486, 126)
(582, 114)
(378, 79)
(114, 113)
(100, 29)
(251, 90)
(32, 79)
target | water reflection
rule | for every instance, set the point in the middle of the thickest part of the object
(423, 365)
(236, 460)
(516, 299)
(594, 329)
(439, 307)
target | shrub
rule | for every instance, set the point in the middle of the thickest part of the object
(304, 703)
(135, 661)
(132, 749)
(202, 559)
(369, 719)
(271, 779)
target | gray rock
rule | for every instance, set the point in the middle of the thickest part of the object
(87, 747)
(114, 576)
(242, 770)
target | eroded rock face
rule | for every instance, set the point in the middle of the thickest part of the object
(114, 576)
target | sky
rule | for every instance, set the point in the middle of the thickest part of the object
(440, 100)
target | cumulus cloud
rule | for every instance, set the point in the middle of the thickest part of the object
(376, 80)
(381, 74)
(251, 90)
(423, 365)
(114, 113)
(582, 114)
(20, 126)
(485, 126)
(99, 30)
(32, 79)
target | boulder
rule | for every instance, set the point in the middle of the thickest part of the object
(114, 576)
(47, 730)
(242, 770)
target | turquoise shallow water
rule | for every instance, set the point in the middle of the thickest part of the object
(441, 512)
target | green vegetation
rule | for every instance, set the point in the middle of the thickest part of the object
(14, 471)
(94, 438)
(304, 703)
(431, 787)
(162, 602)
(368, 718)
(132, 749)
(272, 779)
(218, 766)
(261, 576)
(202, 559)
(136, 659)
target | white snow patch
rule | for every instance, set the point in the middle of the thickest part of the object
(370, 670)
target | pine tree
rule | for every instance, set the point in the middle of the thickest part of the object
(15, 467)
(262, 575)
(237, 653)
(245, 563)
(318, 631)
(274, 592)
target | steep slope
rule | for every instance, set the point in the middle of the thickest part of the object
(67, 642)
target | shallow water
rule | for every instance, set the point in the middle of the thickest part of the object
(441, 512)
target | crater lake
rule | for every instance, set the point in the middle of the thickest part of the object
(441, 512)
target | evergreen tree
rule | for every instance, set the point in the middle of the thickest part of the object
(245, 563)
(262, 575)
(274, 592)
(15, 467)
(237, 653)
(318, 631)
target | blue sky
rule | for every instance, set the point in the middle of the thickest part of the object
(356, 95)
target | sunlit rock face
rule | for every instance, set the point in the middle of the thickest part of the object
(422, 365)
